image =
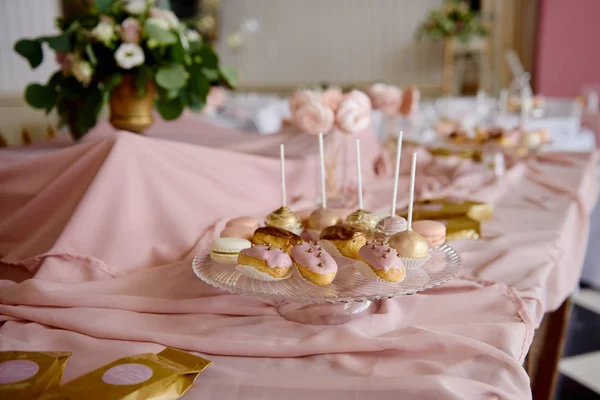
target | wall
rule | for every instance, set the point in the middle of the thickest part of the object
(338, 41)
(568, 52)
(20, 19)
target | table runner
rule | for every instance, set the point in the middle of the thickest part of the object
(109, 229)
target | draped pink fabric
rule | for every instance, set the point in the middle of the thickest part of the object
(592, 122)
(107, 229)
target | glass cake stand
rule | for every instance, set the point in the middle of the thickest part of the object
(348, 296)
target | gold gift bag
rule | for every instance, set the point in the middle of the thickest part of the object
(166, 375)
(462, 218)
(462, 228)
(447, 208)
(27, 374)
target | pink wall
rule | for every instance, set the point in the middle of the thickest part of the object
(568, 46)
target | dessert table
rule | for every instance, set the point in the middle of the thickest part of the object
(107, 230)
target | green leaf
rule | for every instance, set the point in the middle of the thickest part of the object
(171, 94)
(55, 80)
(170, 109)
(58, 43)
(199, 85)
(142, 77)
(87, 114)
(112, 81)
(90, 53)
(160, 35)
(172, 76)
(193, 101)
(109, 84)
(39, 96)
(209, 57)
(103, 5)
(178, 53)
(31, 50)
(211, 74)
(229, 75)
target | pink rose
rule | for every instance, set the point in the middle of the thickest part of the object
(130, 30)
(386, 98)
(332, 98)
(301, 97)
(354, 113)
(65, 60)
(410, 101)
(313, 116)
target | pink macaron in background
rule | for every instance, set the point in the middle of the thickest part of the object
(245, 221)
(433, 231)
(242, 232)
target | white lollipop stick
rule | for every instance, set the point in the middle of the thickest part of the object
(322, 159)
(282, 162)
(397, 173)
(359, 175)
(411, 199)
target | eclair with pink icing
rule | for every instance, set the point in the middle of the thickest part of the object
(314, 263)
(266, 259)
(384, 261)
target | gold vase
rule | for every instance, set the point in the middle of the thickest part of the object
(128, 110)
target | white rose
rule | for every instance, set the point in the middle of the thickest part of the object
(135, 7)
(171, 18)
(104, 32)
(167, 15)
(193, 36)
(160, 22)
(82, 71)
(129, 55)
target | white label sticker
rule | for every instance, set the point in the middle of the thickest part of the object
(17, 370)
(127, 374)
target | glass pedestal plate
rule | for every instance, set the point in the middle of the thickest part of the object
(350, 295)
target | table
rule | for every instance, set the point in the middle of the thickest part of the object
(108, 229)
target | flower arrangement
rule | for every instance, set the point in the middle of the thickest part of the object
(453, 19)
(118, 39)
(391, 100)
(314, 111)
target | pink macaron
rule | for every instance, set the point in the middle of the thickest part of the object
(433, 231)
(246, 222)
(243, 232)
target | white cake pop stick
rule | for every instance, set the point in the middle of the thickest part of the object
(359, 175)
(322, 161)
(411, 199)
(397, 173)
(282, 162)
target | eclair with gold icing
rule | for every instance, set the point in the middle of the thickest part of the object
(276, 237)
(348, 239)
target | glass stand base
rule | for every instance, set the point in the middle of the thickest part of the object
(326, 313)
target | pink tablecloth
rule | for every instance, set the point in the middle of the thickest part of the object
(108, 229)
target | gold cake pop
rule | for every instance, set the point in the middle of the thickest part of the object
(410, 244)
(284, 218)
(361, 217)
(322, 218)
